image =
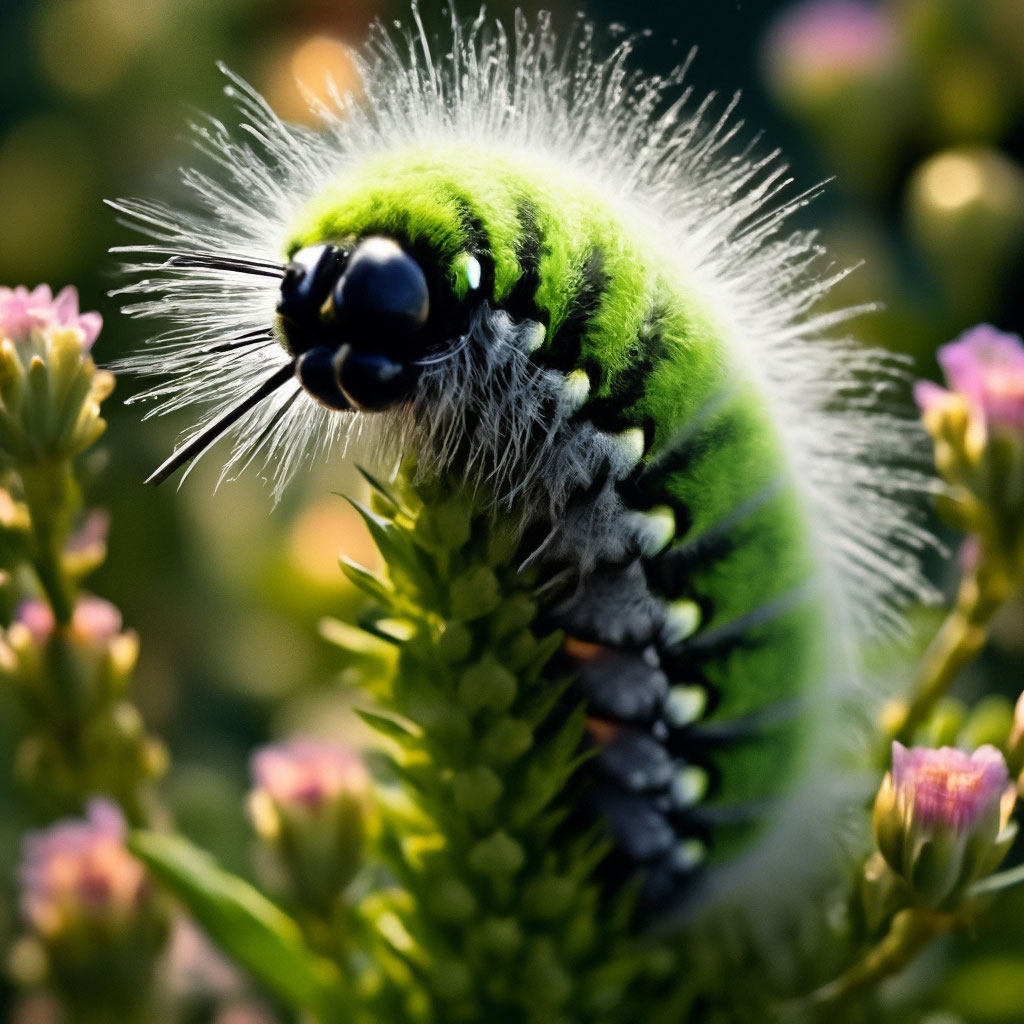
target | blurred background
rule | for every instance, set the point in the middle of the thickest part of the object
(914, 107)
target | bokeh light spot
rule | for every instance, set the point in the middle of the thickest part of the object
(325, 530)
(86, 45)
(952, 180)
(310, 69)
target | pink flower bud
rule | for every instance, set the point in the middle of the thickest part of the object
(986, 367)
(978, 430)
(947, 787)
(830, 40)
(37, 617)
(78, 877)
(95, 661)
(23, 311)
(94, 621)
(308, 774)
(310, 806)
(86, 548)
(942, 819)
(931, 398)
(1015, 744)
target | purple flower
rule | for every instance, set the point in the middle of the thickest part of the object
(78, 875)
(947, 787)
(985, 367)
(23, 311)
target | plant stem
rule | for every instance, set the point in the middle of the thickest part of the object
(982, 593)
(911, 930)
(50, 494)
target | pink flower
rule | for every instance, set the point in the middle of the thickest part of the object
(37, 617)
(91, 535)
(942, 820)
(23, 311)
(986, 368)
(194, 966)
(825, 40)
(947, 787)
(307, 773)
(78, 873)
(94, 621)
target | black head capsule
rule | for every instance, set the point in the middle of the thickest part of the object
(356, 321)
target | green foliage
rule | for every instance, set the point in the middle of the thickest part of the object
(499, 916)
(258, 934)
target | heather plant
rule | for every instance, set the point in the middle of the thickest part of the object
(94, 924)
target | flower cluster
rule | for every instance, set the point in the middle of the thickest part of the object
(817, 46)
(977, 426)
(91, 907)
(77, 878)
(74, 680)
(50, 389)
(22, 312)
(65, 655)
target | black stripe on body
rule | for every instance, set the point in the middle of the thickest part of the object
(641, 750)
(613, 412)
(721, 639)
(628, 681)
(564, 351)
(476, 241)
(521, 303)
(667, 572)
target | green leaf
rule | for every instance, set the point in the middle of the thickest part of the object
(381, 494)
(367, 581)
(387, 726)
(382, 530)
(244, 923)
(473, 594)
(549, 769)
(355, 641)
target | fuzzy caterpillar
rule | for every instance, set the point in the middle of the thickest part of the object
(539, 272)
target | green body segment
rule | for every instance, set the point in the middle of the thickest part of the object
(615, 304)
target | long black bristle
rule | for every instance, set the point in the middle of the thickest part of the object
(274, 420)
(261, 334)
(207, 258)
(237, 266)
(206, 437)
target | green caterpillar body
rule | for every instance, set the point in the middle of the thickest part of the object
(537, 272)
(693, 578)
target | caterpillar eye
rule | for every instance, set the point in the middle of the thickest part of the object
(382, 299)
(308, 281)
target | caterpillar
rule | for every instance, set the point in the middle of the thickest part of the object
(543, 273)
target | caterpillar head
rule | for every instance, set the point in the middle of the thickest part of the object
(357, 321)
